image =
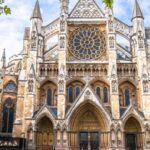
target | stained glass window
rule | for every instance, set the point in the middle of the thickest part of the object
(70, 92)
(87, 43)
(98, 92)
(10, 86)
(127, 97)
(77, 91)
(8, 116)
(105, 95)
(49, 97)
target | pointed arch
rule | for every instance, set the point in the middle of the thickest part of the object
(8, 116)
(127, 93)
(91, 109)
(136, 118)
(44, 112)
(101, 88)
(74, 88)
(47, 93)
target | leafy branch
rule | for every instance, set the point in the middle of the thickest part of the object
(4, 8)
(108, 3)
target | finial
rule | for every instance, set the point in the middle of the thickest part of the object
(36, 12)
(137, 13)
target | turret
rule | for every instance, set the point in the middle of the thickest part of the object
(138, 37)
(3, 63)
(36, 38)
(36, 18)
(36, 24)
(137, 19)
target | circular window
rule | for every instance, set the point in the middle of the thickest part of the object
(87, 43)
(10, 86)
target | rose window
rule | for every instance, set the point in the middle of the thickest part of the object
(87, 43)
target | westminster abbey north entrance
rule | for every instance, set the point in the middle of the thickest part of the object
(88, 130)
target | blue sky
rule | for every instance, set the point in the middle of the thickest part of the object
(12, 26)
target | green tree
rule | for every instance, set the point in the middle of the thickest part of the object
(4, 8)
(108, 3)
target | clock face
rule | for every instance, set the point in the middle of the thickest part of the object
(10, 86)
(87, 43)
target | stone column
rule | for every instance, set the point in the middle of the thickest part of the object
(61, 104)
(142, 67)
(112, 73)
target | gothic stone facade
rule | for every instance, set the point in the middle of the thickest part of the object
(75, 85)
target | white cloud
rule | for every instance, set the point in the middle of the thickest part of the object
(12, 27)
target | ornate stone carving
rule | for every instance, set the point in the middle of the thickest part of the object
(147, 135)
(116, 134)
(113, 135)
(114, 86)
(30, 86)
(111, 26)
(61, 86)
(141, 40)
(62, 23)
(33, 39)
(145, 79)
(145, 86)
(87, 43)
(86, 9)
(62, 71)
(62, 42)
(111, 42)
(61, 79)
(40, 46)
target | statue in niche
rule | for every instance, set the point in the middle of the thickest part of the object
(111, 42)
(30, 86)
(40, 45)
(140, 38)
(61, 86)
(113, 137)
(62, 71)
(62, 42)
(114, 86)
(119, 137)
(111, 26)
(147, 136)
(62, 23)
(145, 86)
(33, 39)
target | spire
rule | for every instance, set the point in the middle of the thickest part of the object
(36, 12)
(3, 59)
(137, 13)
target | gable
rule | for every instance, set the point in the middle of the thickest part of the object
(86, 9)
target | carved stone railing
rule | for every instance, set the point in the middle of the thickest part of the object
(123, 29)
(50, 70)
(126, 70)
(81, 70)
(51, 29)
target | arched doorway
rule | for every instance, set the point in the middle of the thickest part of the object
(45, 134)
(133, 134)
(88, 128)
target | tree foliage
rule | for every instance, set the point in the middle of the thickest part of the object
(4, 8)
(108, 3)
